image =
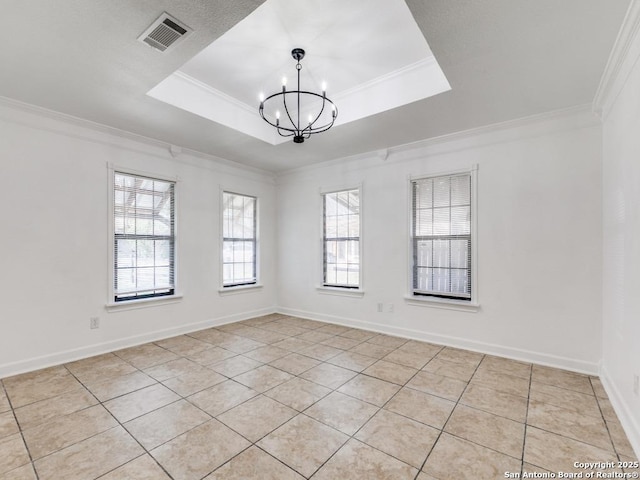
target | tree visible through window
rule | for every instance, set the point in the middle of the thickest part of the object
(239, 232)
(144, 240)
(341, 243)
(441, 236)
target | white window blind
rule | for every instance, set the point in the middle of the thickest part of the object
(144, 240)
(341, 242)
(239, 242)
(441, 236)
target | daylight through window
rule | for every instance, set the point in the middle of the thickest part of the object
(239, 231)
(144, 240)
(341, 243)
(441, 236)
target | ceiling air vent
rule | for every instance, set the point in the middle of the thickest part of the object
(164, 32)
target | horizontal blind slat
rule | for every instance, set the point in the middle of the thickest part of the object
(144, 239)
(441, 231)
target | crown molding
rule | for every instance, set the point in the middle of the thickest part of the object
(220, 95)
(624, 55)
(580, 116)
(192, 95)
(418, 66)
(104, 134)
(418, 80)
(571, 118)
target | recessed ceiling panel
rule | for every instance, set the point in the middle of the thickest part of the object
(371, 54)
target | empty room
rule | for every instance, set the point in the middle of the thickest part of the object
(320, 239)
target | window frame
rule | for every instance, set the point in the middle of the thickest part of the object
(236, 287)
(143, 300)
(324, 287)
(445, 301)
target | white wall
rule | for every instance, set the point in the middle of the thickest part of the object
(621, 218)
(539, 241)
(55, 240)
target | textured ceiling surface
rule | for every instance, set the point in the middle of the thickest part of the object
(504, 59)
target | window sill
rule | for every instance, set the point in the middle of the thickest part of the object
(142, 303)
(445, 303)
(239, 289)
(341, 292)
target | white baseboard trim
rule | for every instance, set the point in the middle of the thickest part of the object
(58, 358)
(629, 422)
(44, 361)
(590, 368)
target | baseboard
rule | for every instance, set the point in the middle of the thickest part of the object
(36, 363)
(44, 361)
(590, 368)
(628, 421)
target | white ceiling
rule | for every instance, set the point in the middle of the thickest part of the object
(504, 59)
(368, 62)
(347, 43)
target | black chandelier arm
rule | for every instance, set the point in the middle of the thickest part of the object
(286, 109)
(276, 125)
(313, 129)
(287, 135)
(296, 92)
(293, 131)
(326, 126)
(299, 134)
(310, 126)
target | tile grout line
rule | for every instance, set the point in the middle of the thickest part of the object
(24, 442)
(448, 417)
(298, 413)
(334, 390)
(120, 424)
(323, 423)
(606, 424)
(298, 376)
(526, 420)
(158, 382)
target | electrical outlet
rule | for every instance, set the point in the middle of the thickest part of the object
(636, 384)
(380, 307)
(390, 308)
(94, 322)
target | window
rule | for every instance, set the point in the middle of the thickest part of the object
(441, 236)
(341, 239)
(144, 237)
(239, 234)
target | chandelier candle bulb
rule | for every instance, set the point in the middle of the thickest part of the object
(296, 101)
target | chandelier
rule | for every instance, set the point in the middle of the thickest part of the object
(300, 103)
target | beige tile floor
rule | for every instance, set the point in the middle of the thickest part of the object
(282, 398)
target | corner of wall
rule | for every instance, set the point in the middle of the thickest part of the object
(622, 59)
(627, 420)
